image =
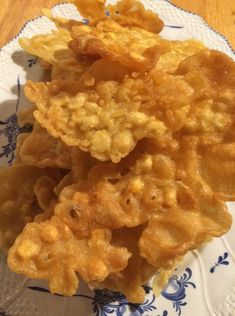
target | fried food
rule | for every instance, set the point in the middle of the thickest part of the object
(143, 185)
(51, 153)
(177, 231)
(20, 139)
(198, 214)
(110, 118)
(125, 12)
(212, 74)
(53, 252)
(131, 156)
(217, 164)
(178, 51)
(53, 50)
(95, 122)
(211, 119)
(18, 203)
(81, 163)
(60, 23)
(135, 48)
(46, 197)
(130, 280)
(133, 13)
(94, 10)
(132, 198)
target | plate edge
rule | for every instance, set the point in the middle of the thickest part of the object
(208, 26)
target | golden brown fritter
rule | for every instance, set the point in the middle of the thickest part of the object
(138, 133)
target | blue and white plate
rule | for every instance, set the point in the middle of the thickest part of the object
(205, 283)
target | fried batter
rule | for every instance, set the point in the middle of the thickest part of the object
(130, 281)
(173, 232)
(134, 47)
(133, 13)
(108, 120)
(178, 51)
(145, 188)
(53, 252)
(218, 169)
(94, 10)
(51, 153)
(211, 119)
(125, 12)
(138, 133)
(46, 197)
(18, 203)
(185, 225)
(53, 50)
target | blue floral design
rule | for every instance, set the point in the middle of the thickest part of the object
(85, 21)
(221, 261)
(10, 129)
(32, 61)
(106, 302)
(165, 313)
(175, 290)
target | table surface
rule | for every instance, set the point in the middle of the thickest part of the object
(220, 14)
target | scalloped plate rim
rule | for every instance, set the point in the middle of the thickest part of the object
(207, 25)
(195, 16)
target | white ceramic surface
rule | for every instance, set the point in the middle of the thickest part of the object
(204, 285)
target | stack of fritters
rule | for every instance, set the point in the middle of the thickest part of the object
(131, 157)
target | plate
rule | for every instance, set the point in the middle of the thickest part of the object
(205, 282)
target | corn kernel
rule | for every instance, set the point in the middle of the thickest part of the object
(49, 234)
(145, 164)
(124, 140)
(28, 249)
(136, 185)
(101, 141)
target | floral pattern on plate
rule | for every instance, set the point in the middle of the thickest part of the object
(204, 284)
